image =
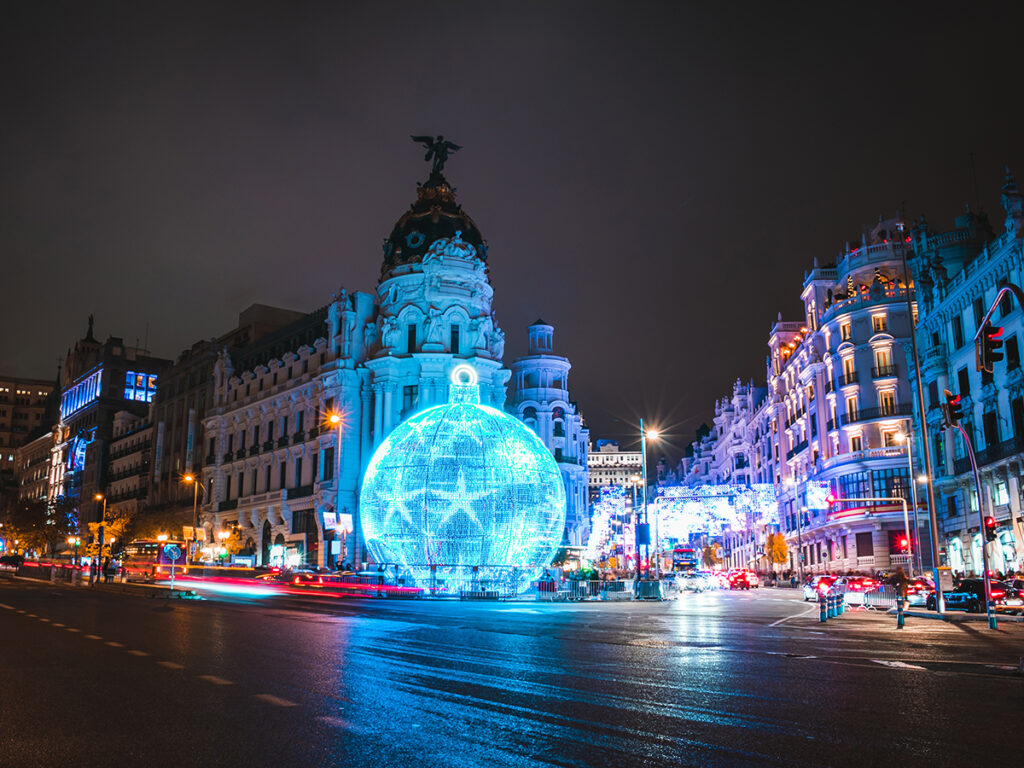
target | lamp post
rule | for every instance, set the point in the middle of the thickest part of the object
(337, 420)
(190, 478)
(99, 552)
(907, 439)
(645, 435)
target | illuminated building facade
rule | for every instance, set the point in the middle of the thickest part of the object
(959, 273)
(99, 379)
(609, 466)
(840, 399)
(22, 406)
(273, 461)
(540, 398)
(130, 458)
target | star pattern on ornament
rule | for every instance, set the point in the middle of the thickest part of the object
(461, 500)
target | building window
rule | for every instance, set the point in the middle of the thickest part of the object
(990, 426)
(328, 463)
(298, 471)
(958, 332)
(140, 387)
(933, 394)
(456, 349)
(887, 402)
(844, 332)
(1012, 354)
(856, 443)
(964, 381)
(891, 482)
(878, 324)
(411, 337)
(939, 457)
(889, 439)
(979, 311)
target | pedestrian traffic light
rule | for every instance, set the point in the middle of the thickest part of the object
(986, 347)
(990, 529)
(903, 544)
(952, 411)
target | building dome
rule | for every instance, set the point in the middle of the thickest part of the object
(463, 496)
(433, 216)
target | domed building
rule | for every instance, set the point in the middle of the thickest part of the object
(280, 469)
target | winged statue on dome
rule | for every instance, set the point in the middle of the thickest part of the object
(437, 150)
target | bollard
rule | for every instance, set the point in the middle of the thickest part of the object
(899, 614)
(840, 604)
(831, 604)
(822, 609)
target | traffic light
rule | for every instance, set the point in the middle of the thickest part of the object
(952, 411)
(903, 544)
(986, 348)
(990, 529)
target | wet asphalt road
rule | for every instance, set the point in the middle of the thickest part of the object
(718, 679)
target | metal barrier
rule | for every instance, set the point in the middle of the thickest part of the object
(881, 599)
(617, 590)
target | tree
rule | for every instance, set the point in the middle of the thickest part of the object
(711, 556)
(775, 549)
(39, 525)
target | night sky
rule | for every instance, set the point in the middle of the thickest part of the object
(652, 178)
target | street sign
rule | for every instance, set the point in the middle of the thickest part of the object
(172, 552)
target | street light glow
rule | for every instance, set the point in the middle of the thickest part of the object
(98, 497)
(334, 418)
(188, 479)
(652, 434)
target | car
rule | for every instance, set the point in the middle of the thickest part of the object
(969, 595)
(741, 580)
(855, 588)
(918, 591)
(818, 585)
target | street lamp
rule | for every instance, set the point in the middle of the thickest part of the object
(337, 420)
(73, 541)
(907, 440)
(190, 478)
(99, 551)
(645, 435)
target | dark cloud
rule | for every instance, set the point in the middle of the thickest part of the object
(652, 178)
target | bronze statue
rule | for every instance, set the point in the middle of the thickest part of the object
(438, 149)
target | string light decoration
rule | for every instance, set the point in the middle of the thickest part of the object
(462, 496)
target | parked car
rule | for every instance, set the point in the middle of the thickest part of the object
(818, 585)
(969, 596)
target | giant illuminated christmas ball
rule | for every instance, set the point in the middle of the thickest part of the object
(463, 496)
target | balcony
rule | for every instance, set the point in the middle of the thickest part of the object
(228, 457)
(847, 379)
(253, 450)
(829, 386)
(210, 460)
(883, 372)
(830, 425)
(1011, 447)
(268, 445)
(298, 437)
(282, 441)
(802, 445)
(240, 453)
(227, 506)
(870, 414)
(300, 492)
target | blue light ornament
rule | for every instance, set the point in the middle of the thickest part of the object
(463, 496)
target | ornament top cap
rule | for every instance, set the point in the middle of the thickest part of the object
(464, 387)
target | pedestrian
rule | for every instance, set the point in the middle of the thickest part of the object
(107, 571)
(900, 581)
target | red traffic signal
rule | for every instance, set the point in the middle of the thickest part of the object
(903, 543)
(952, 411)
(990, 528)
(986, 347)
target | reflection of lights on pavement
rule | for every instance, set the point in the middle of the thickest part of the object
(227, 589)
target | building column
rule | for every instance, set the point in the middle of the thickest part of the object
(364, 426)
(388, 407)
(377, 414)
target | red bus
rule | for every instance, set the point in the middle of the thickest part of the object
(147, 559)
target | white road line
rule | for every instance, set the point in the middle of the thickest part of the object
(275, 700)
(94, 637)
(72, 629)
(20, 611)
(113, 644)
(898, 664)
(42, 619)
(215, 680)
(794, 616)
(8, 607)
(138, 653)
(171, 665)
(31, 615)
(57, 624)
